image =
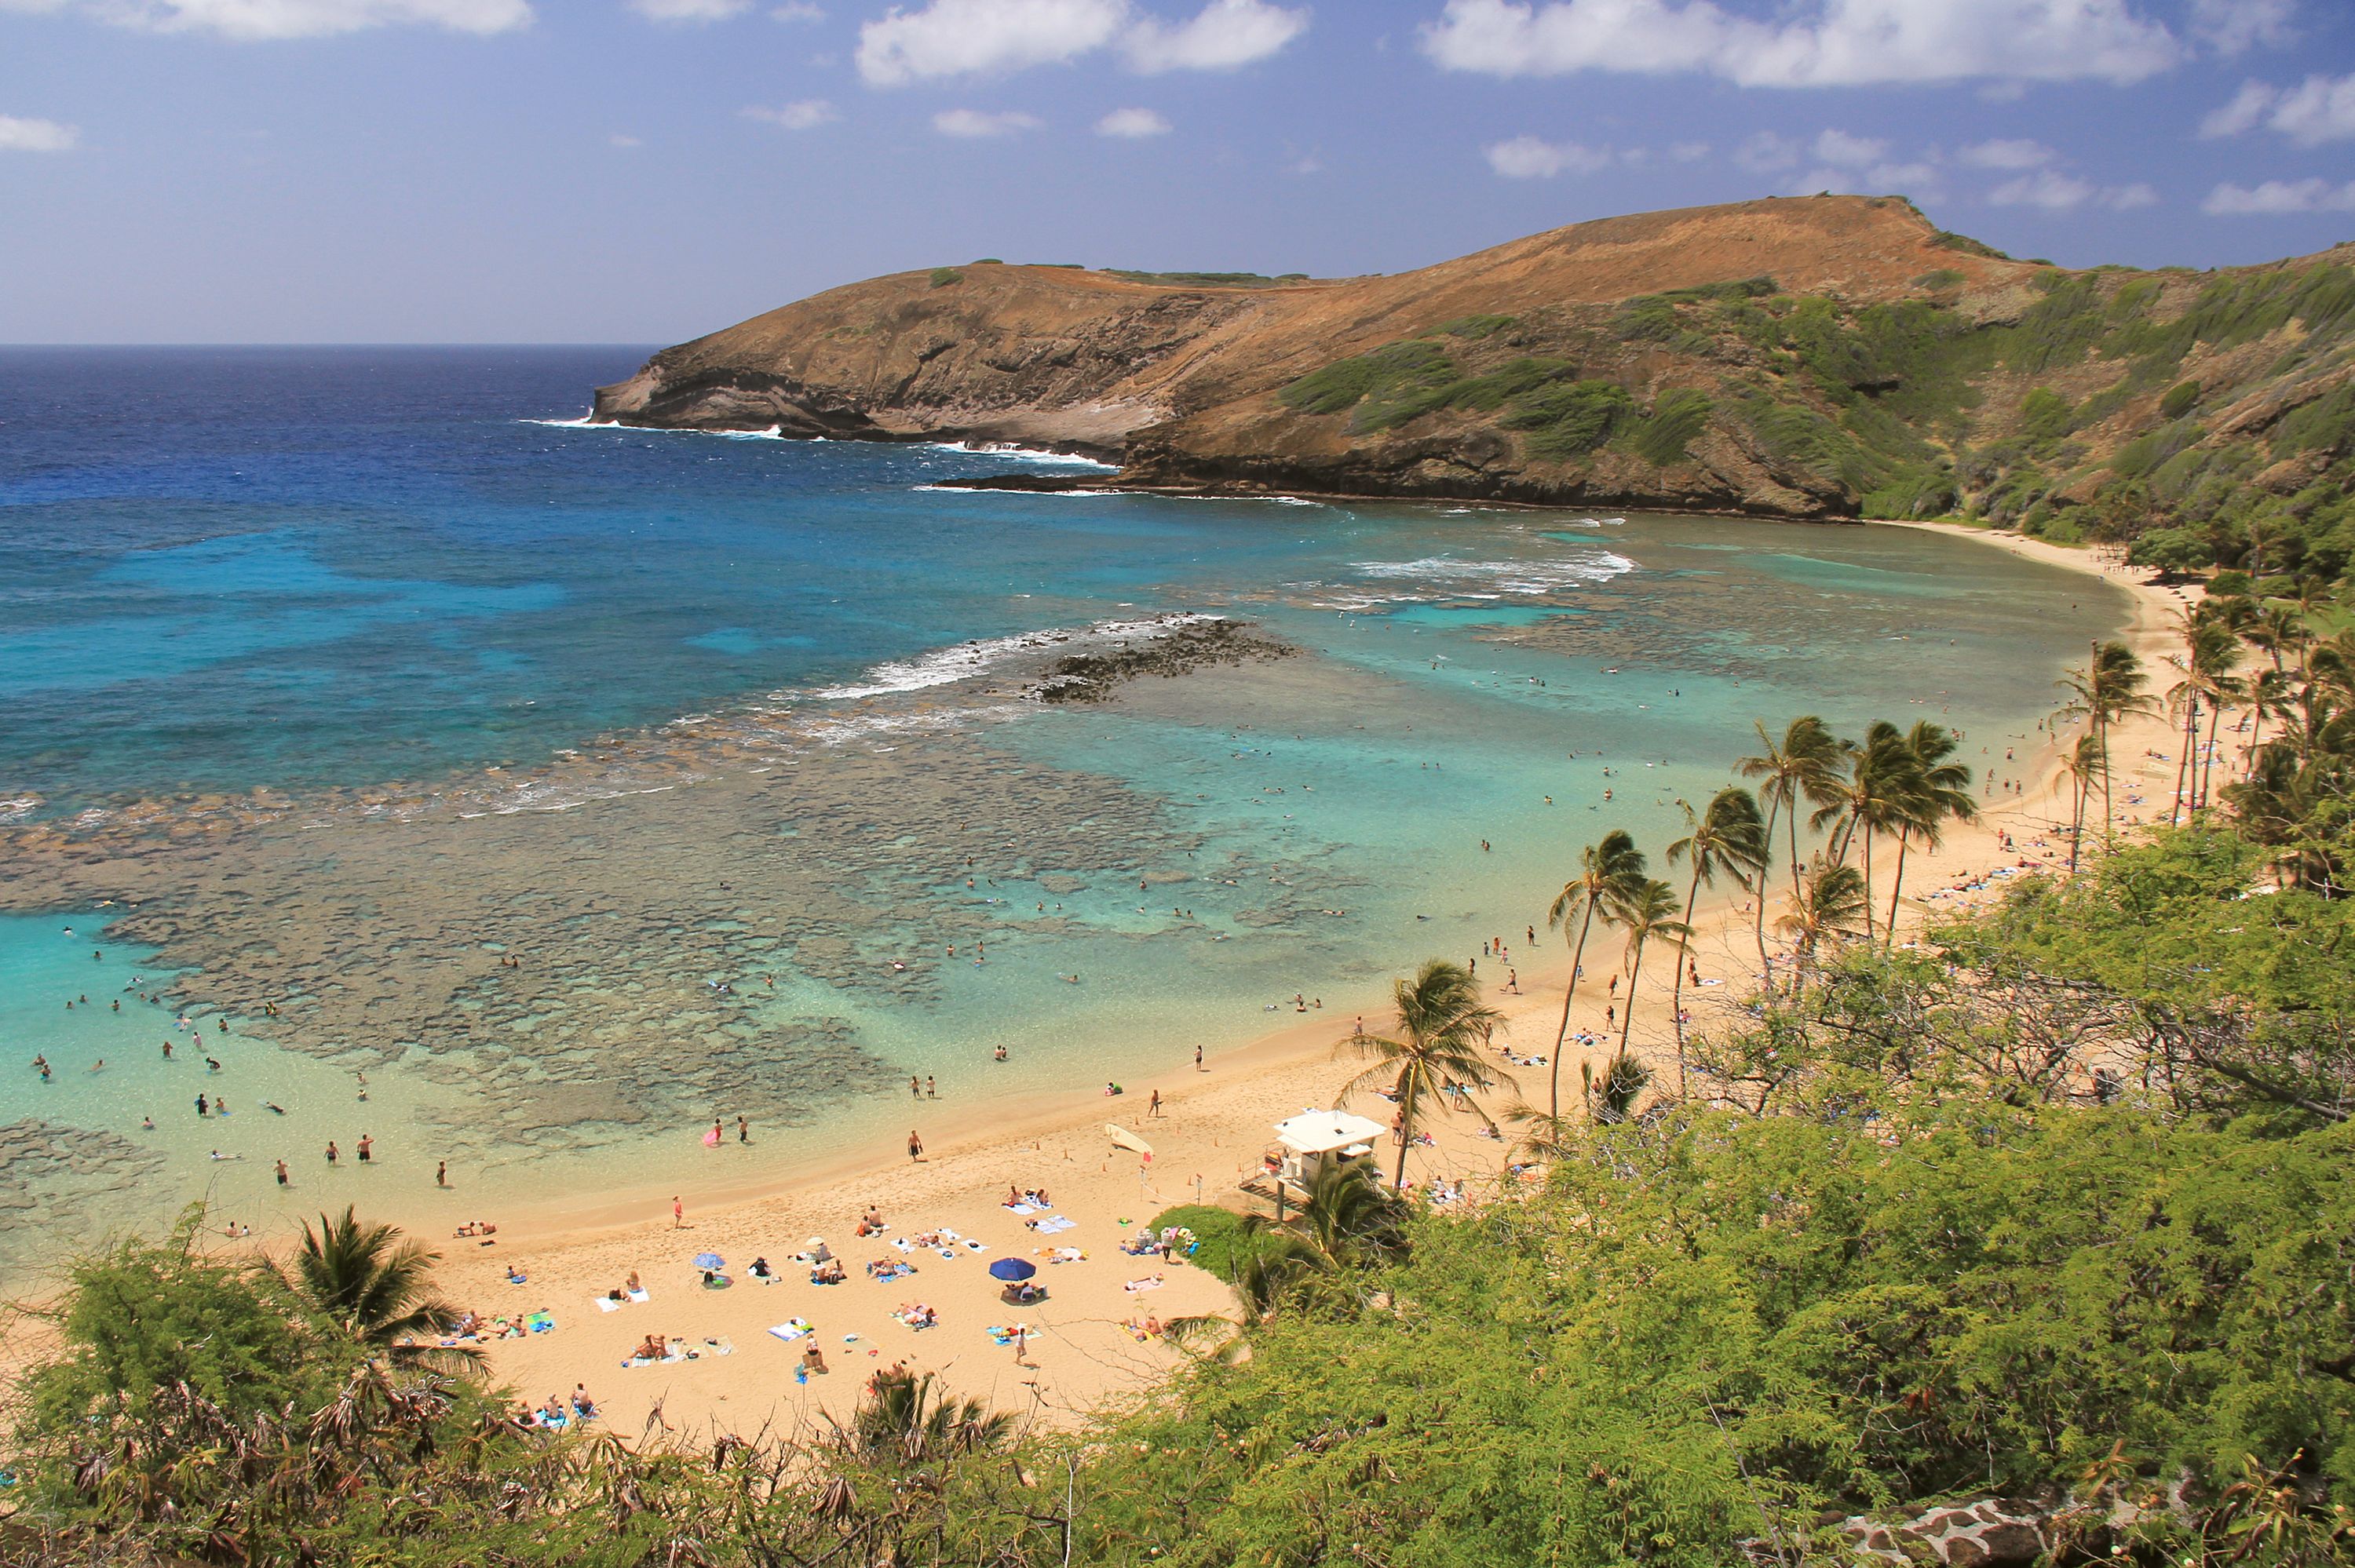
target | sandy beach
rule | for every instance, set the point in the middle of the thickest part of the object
(1084, 1344)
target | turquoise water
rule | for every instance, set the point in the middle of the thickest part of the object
(330, 683)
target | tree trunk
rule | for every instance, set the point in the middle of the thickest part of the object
(1868, 887)
(1895, 888)
(1406, 1129)
(2208, 763)
(2102, 729)
(1677, 990)
(2183, 764)
(1765, 964)
(1635, 976)
(1577, 956)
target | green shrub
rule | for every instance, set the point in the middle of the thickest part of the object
(1219, 1243)
(1660, 437)
(1477, 327)
(1567, 419)
(943, 276)
(1944, 277)
(2179, 399)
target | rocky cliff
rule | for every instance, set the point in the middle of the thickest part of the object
(1825, 356)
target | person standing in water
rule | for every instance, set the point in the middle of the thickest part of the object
(332, 1154)
(442, 1173)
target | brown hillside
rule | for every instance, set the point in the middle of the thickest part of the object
(1805, 357)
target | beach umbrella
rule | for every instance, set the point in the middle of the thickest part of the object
(709, 1260)
(815, 1240)
(1011, 1269)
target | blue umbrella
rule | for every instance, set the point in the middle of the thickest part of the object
(709, 1260)
(1012, 1268)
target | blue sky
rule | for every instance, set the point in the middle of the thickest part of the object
(645, 170)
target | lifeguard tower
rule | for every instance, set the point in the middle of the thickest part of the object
(1306, 1146)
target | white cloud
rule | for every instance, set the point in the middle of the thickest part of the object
(1227, 34)
(1872, 179)
(966, 37)
(619, 139)
(2006, 155)
(801, 116)
(2047, 188)
(970, 122)
(689, 10)
(19, 136)
(799, 11)
(2234, 26)
(1839, 148)
(1689, 151)
(1528, 158)
(1819, 43)
(2278, 197)
(254, 20)
(2319, 109)
(1132, 124)
(2122, 198)
(1766, 151)
(973, 37)
(2248, 107)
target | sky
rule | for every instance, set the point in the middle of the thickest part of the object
(644, 171)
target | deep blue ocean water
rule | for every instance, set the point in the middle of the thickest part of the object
(315, 572)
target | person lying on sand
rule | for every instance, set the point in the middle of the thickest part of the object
(653, 1348)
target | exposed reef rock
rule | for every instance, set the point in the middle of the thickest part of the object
(1092, 677)
(1818, 358)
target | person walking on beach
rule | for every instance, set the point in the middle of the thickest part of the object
(677, 1213)
(743, 1130)
(932, 1090)
(915, 1089)
(441, 1173)
(915, 1145)
(1198, 1058)
(1155, 1108)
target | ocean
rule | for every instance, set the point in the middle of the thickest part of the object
(527, 796)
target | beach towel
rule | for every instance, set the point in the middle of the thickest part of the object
(792, 1329)
(1020, 1208)
(640, 1296)
(904, 1245)
(1149, 1283)
(607, 1304)
(1058, 1224)
(540, 1322)
(972, 1246)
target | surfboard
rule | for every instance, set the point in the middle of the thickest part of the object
(1124, 1139)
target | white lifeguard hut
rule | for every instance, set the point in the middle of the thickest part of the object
(1306, 1146)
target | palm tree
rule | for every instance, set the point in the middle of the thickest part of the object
(1648, 911)
(1939, 794)
(2106, 689)
(2211, 650)
(1804, 763)
(1443, 1027)
(2083, 765)
(1348, 1224)
(908, 1420)
(379, 1291)
(1728, 836)
(1833, 906)
(1605, 872)
(1875, 796)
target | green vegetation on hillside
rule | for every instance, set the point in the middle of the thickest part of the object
(2075, 419)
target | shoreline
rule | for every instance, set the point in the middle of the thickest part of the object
(572, 1249)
